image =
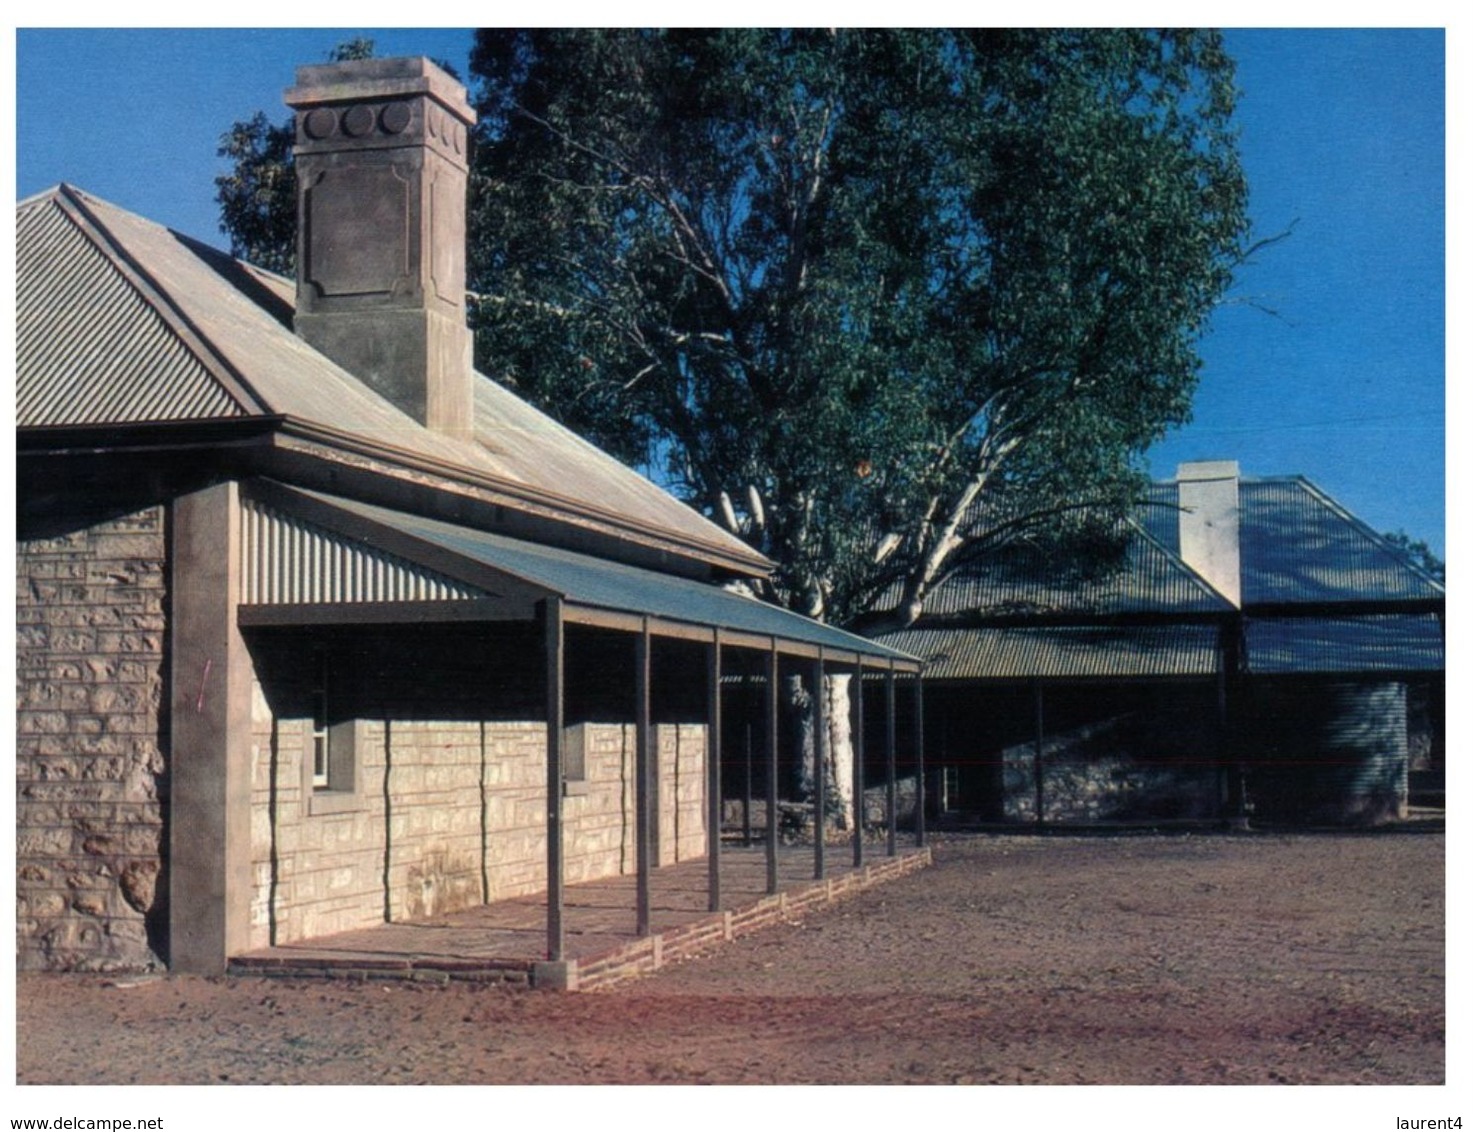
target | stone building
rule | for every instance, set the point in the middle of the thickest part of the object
(1253, 655)
(317, 628)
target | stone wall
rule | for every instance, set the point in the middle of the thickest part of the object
(682, 791)
(445, 814)
(795, 819)
(91, 790)
(314, 874)
(1155, 766)
(449, 815)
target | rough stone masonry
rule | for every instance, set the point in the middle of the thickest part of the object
(91, 792)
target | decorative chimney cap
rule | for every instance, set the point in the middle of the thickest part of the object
(367, 104)
(365, 79)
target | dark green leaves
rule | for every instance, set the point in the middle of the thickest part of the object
(883, 280)
(258, 197)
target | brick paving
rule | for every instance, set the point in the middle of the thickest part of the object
(506, 941)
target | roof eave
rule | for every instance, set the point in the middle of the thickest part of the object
(279, 431)
(753, 565)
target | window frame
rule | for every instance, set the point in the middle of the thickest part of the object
(332, 752)
(575, 760)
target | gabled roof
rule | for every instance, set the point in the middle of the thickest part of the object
(1321, 594)
(121, 321)
(1299, 546)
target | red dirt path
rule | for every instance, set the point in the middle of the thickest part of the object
(1133, 959)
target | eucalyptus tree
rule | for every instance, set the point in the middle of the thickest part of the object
(879, 301)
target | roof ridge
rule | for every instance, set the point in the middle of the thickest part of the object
(48, 193)
(1361, 527)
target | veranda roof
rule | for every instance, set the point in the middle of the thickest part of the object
(312, 557)
(1384, 643)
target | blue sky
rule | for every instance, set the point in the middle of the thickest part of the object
(1342, 139)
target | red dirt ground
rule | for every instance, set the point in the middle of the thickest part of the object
(1146, 959)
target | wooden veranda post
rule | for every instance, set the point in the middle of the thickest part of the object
(771, 721)
(747, 714)
(1038, 752)
(858, 775)
(552, 632)
(713, 774)
(642, 779)
(920, 765)
(820, 764)
(890, 846)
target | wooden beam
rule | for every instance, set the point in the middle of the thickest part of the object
(383, 612)
(713, 775)
(624, 621)
(642, 780)
(552, 631)
(772, 730)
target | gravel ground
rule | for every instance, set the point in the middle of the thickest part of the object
(1147, 959)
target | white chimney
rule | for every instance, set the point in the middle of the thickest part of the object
(1207, 493)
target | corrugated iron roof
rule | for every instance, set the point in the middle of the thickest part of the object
(90, 349)
(1067, 652)
(596, 583)
(1023, 580)
(1378, 643)
(193, 334)
(1298, 545)
(286, 561)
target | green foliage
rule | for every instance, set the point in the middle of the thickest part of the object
(877, 299)
(1419, 554)
(258, 197)
(359, 47)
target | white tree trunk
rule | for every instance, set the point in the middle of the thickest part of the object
(839, 763)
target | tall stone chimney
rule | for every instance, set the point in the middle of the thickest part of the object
(1207, 493)
(381, 155)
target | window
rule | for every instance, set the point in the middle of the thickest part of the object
(950, 800)
(321, 737)
(330, 762)
(575, 760)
